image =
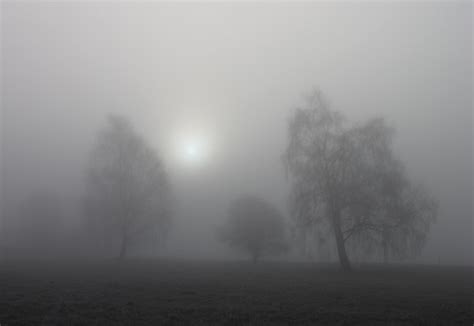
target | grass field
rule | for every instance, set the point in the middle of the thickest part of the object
(146, 292)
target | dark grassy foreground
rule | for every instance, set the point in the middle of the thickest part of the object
(230, 293)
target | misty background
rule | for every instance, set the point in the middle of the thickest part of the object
(234, 73)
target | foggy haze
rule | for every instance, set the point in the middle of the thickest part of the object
(228, 76)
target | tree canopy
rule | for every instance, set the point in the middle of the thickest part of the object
(347, 181)
(254, 227)
(128, 192)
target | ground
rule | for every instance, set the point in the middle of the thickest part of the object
(159, 292)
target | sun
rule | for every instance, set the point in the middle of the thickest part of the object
(192, 143)
(193, 149)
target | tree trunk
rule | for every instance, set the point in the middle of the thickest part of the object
(385, 240)
(385, 253)
(341, 248)
(254, 258)
(123, 248)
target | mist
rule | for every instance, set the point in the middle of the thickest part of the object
(234, 72)
(208, 92)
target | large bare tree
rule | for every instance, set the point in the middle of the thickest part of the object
(345, 179)
(127, 194)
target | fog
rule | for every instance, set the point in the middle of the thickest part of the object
(211, 87)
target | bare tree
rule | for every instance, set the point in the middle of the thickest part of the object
(127, 194)
(346, 179)
(38, 223)
(254, 227)
(387, 211)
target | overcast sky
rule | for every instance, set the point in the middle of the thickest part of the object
(229, 75)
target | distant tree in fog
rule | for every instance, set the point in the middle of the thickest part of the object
(127, 194)
(345, 179)
(254, 227)
(38, 223)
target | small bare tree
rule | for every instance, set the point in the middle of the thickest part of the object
(127, 194)
(38, 223)
(254, 227)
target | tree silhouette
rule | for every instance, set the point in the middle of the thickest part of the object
(346, 179)
(127, 194)
(254, 227)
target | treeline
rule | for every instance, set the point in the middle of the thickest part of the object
(349, 194)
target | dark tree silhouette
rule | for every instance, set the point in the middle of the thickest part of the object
(254, 227)
(346, 179)
(128, 193)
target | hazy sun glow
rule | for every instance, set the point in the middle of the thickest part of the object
(193, 149)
